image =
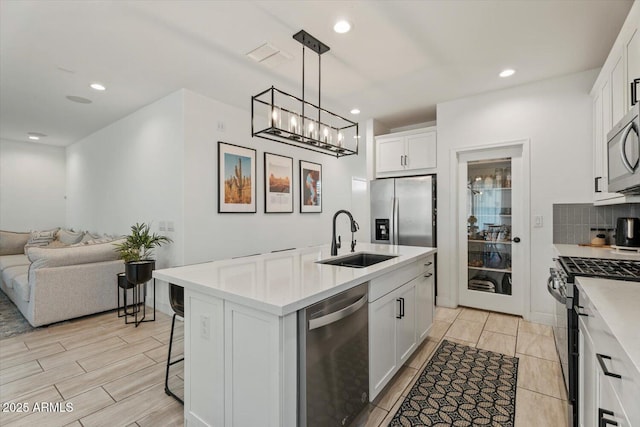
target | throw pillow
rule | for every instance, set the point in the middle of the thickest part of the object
(12, 243)
(69, 237)
(88, 236)
(40, 238)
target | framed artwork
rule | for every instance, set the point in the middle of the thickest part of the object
(236, 179)
(278, 183)
(310, 187)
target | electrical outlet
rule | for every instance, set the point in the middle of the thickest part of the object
(538, 221)
(220, 126)
(170, 226)
(205, 327)
(163, 226)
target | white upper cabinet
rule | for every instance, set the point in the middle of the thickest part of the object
(611, 95)
(632, 51)
(406, 153)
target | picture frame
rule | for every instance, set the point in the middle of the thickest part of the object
(278, 183)
(236, 179)
(310, 187)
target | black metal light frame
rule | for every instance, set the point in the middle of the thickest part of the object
(298, 137)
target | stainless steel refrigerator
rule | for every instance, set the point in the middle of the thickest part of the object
(403, 211)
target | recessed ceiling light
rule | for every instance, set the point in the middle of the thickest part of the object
(508, 72)
(79, 99)
(355, 111)
(342, 26)
(35, 136)
(97, 86)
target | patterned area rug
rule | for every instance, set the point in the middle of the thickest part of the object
(462, 386)
(11, 320)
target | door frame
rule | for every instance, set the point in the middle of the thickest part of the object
(460, 235)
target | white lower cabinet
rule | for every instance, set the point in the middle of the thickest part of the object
(233, 355)
(425, 302)
(609, 384)
(398, 322)
(610, 412)
(587, 377)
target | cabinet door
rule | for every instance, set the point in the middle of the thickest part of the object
(382, 341)
(610, 412)
(618, 91)
(598, 161)
(424, 304)
(587, 381)
(633, 64)
(421, 151)
(406, 324)
(390, 154)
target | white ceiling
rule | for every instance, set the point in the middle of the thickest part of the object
(400, 59)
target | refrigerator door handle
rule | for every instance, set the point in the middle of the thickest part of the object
(396, 207)
(391, 218)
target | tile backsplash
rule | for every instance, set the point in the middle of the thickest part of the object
(572, 223)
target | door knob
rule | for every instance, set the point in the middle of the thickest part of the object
(516, 240)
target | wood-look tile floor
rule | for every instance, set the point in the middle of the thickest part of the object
(112, 374)
(104, 372)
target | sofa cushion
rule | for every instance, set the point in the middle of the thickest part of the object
(13, 260)
(12, 243)
(21, 286)
(10, 273)
(40, 238)
(72, 255)
(69, 237)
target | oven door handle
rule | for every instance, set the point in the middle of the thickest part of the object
(554, 292)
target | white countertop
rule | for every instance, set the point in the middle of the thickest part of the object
(593, 252)
(284, 282)
(618, 303)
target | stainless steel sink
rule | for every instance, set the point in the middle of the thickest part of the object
(358, 260)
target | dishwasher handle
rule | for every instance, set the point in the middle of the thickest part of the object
(337, 315)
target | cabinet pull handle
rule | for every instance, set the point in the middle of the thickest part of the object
(579, 312)
(406, 160)
(399, 315)
(602, 421)
(401, 160)
(428, 264)
(634, 91)
(608, 373)
(402, 306)
(597, 187)
(428, 275)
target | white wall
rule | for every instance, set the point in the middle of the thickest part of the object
(210, 235)
(132, 171)
(555, 115)
(32, 186)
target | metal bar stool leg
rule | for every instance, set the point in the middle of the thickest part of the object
(169, 363)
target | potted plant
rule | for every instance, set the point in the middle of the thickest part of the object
(137, 252)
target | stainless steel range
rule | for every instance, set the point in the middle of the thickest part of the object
(560, 286)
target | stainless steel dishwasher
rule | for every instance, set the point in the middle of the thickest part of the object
(333, 356)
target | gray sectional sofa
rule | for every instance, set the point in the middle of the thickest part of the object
(58, 282)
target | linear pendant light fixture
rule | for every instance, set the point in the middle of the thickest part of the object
(282, 117)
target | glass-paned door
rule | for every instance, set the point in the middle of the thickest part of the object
(489, 226)
(491, 219)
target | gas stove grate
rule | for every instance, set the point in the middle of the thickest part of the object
(605, 268)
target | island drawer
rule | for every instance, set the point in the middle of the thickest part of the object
(382, 285)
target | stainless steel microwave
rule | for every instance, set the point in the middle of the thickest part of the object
(623, 154)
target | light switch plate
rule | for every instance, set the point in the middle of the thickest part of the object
(538, 221)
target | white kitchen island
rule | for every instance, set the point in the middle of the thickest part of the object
(241, 326)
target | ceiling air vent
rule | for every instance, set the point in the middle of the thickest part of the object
(269, 55)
